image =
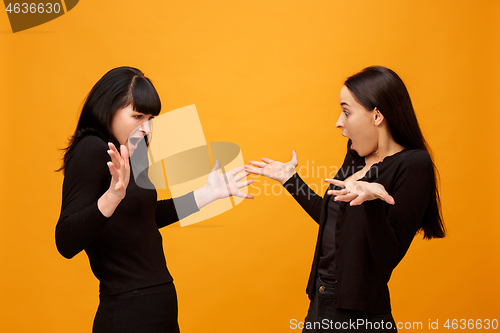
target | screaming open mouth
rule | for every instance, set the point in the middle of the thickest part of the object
(134, 141)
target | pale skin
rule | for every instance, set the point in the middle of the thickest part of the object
(126, 123)
(371, 139)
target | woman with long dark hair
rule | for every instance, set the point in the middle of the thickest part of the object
(383, 195)
(108, 212)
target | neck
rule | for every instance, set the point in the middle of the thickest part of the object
(385, 147)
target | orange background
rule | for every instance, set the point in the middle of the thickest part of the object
(265, 75)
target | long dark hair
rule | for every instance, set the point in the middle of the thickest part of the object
(381, 88)
(118, 88)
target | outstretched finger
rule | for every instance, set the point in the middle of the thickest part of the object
(114, 151)
(243, 195)
(257, 163)
(114, 154)
(125, 155)
(294, 157)
(216, 166)
(387, 198)
(236, 170)
(245, 183)
(338, 192)
(257, 171)
(336, 182)
(346, 197)
(267, 160)
(113, 171)
(240, 176)
(112, 146)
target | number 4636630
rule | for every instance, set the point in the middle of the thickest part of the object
(32, 8)
(471, 324)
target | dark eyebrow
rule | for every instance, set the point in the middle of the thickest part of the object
(344, 103)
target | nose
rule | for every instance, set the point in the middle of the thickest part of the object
(340, 123)
(146, 127)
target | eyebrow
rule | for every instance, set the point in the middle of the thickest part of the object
(344, 103)
(144, 114)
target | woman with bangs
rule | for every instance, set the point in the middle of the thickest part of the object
(115, 221)
(384, 193)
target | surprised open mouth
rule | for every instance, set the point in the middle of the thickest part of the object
(134, 141)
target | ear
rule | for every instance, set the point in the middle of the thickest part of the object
(378, 117)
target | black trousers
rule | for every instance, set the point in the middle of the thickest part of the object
(323, 317)
(145, 310)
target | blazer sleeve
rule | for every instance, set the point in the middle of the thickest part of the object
(305, 196)
(391, 231)
(172, 210)
(86, 179)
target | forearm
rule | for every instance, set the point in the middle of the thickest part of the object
(107, 203)
(172, 210)
(304, 195)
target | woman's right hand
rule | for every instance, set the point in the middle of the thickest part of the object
(119, 168)
(274, 169)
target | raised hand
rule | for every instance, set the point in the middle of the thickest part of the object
(119, 168)
(221, 185)
(357, 192)
(274, 169)
(226, 185)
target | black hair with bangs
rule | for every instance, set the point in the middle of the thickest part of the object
(118, 88)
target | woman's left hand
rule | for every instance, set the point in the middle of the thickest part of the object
(359, 191)
(220, 186)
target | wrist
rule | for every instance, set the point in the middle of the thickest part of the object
(288, 176)
(107, 203)
(203, 196)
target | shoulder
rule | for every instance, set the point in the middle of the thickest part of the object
(91, 146)
(91, 143)
(415, 166)
(89, 151)
(86, 176)
(416, 159)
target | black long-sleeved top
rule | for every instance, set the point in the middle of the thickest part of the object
(372, 238)
(125, 250)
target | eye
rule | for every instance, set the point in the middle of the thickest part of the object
(345, 112)
(151, 118)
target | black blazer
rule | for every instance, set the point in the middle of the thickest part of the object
(372, 238)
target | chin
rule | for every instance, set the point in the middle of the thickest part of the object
(362, 153)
